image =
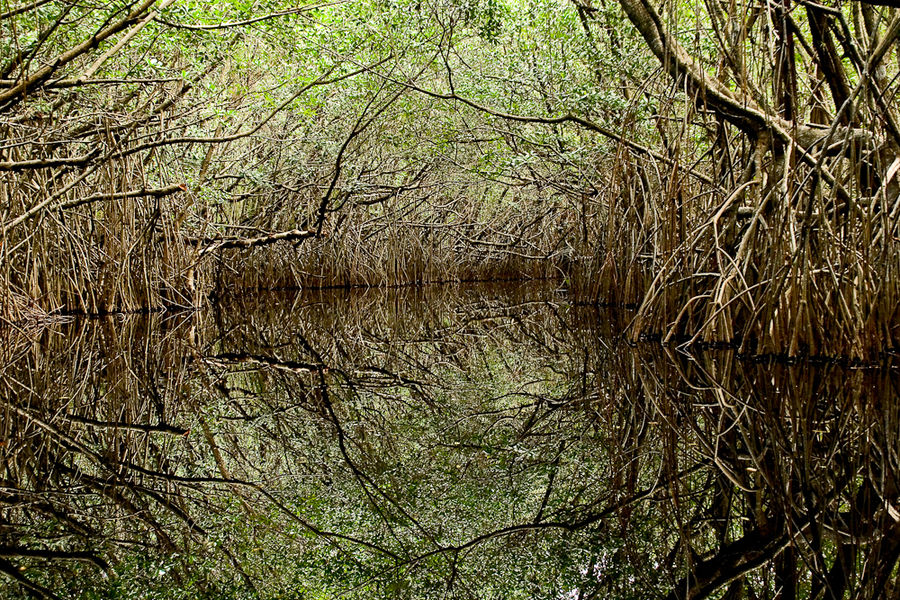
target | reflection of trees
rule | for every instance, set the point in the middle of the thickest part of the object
(437, 444)
(804, 482)
(87, 438)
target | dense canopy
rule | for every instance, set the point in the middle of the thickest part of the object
(722, 175)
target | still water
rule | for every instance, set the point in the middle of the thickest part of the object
(449, 442)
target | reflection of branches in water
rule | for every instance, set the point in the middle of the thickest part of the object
(805, 475)
(73, 425)
(440, 443)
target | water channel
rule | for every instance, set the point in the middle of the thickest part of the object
(442, 442)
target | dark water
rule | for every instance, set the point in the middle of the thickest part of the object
(448, 443)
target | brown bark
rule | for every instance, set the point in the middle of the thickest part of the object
(12, 95)
(827, 60)
(293, 235)
(739, 109)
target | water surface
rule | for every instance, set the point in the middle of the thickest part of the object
(449, 442)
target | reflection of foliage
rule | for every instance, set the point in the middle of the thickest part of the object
(440, 444)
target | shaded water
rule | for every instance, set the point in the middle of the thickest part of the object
(470, 442)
